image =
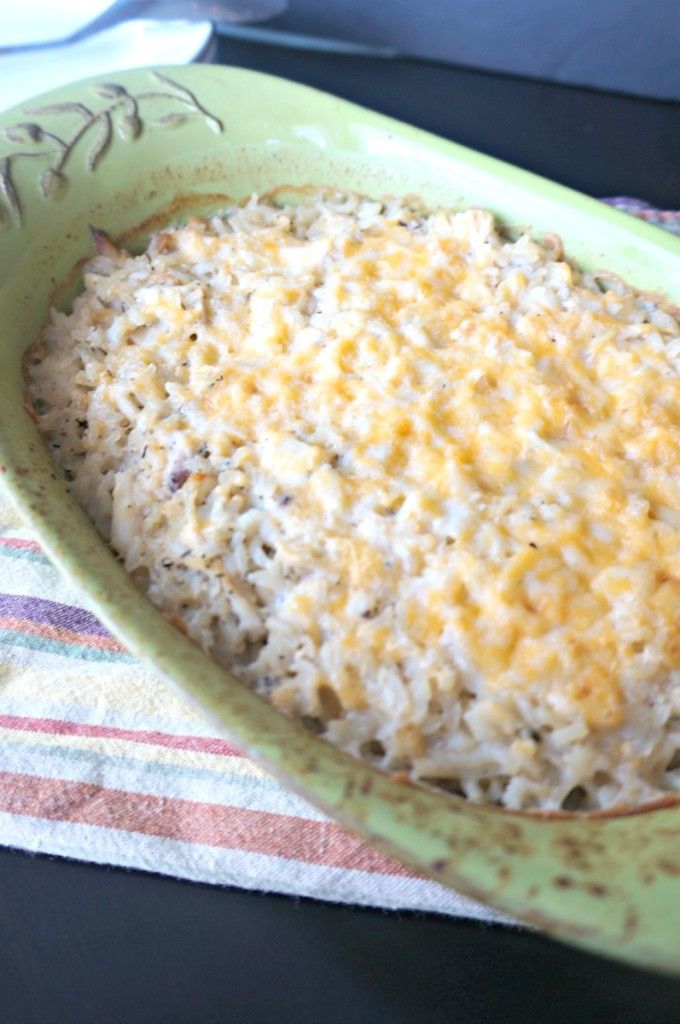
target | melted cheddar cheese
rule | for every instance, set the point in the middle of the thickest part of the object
(426, 479)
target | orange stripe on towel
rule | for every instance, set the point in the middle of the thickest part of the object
(233, 828)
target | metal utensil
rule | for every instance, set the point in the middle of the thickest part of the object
(224, 11)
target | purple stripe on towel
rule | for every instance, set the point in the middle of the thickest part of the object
(37, 609)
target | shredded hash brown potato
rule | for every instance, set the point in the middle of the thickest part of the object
(417, 484)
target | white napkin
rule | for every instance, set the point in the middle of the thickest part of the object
(37, 21)
(129, 45)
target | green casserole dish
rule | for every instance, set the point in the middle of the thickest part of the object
(185, 140)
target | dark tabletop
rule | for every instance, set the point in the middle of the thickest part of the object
(89, 945)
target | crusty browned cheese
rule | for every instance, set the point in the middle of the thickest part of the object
(104, 245)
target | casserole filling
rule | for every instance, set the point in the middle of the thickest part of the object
(416, 483)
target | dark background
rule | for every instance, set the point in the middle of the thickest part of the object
(623, 45)
(90, 945)
(600, 143)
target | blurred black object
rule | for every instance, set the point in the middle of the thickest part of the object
(621, 45)
(601, 143)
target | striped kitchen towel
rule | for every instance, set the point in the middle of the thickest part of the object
(102, 762)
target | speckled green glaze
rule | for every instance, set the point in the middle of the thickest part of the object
(609, 884)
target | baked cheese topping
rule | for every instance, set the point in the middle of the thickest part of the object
(413, 481)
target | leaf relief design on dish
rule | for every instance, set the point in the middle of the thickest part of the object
(125, 114)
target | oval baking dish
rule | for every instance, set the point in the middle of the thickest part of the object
(134, 151)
